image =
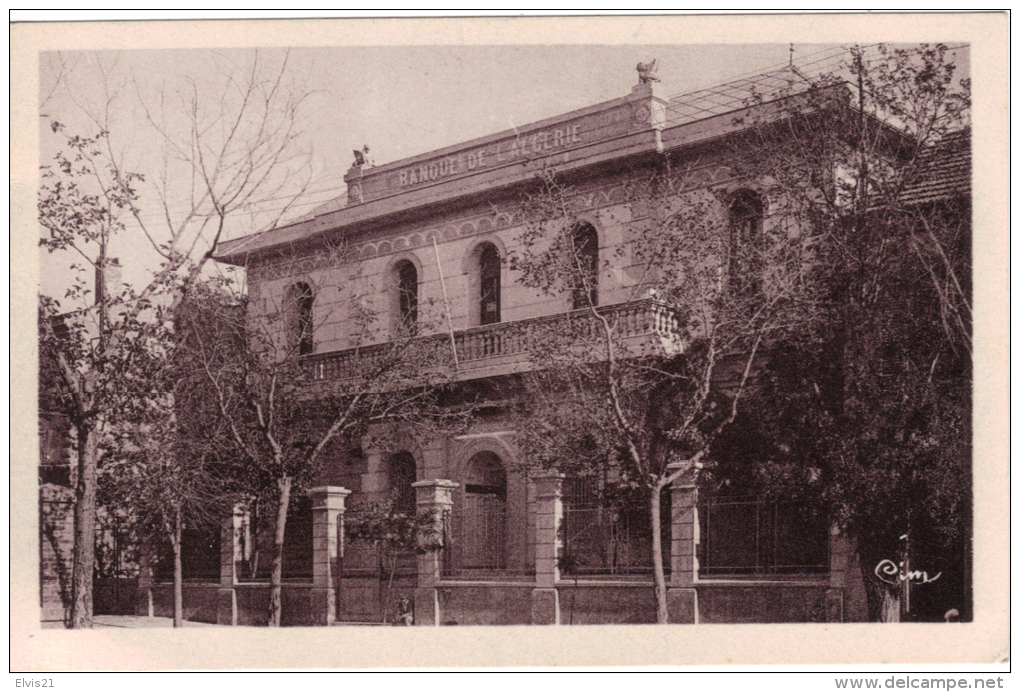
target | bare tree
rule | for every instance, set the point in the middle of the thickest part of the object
(640, 408)
(236, 148)
(287, 412)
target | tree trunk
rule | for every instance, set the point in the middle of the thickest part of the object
(84, 530)
(276, 578)
(890, 606)
(178, 574)
(655, 507)
(382, 577)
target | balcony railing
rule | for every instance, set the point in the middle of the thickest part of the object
(507, 345)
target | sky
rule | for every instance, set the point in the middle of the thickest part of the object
(446, 86)
(399, 100)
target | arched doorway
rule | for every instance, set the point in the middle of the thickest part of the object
(484, 514)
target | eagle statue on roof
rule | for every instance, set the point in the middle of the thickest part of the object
(361, 158)
(648, 72)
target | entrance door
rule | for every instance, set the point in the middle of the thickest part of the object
(484, 515)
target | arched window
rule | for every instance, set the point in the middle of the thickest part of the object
(585, 269)
(402, 474)
(304, 300)
(407, 297)
(747, 214)
(489, 278)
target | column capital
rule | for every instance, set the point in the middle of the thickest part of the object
(328, 497)
(689, 478)
(649, 90)
(548, 483)
(546, 474)
(435, 483)
(437, 491)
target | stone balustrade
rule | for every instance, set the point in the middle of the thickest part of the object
(512, 342)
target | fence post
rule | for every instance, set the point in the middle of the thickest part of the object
(681, 594)
(840, 552)
(143, 604)
(545, 602)
(434, 499)
(230, 555)
(327, 505)
(56, 543)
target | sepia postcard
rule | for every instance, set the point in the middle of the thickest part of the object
(663, 342)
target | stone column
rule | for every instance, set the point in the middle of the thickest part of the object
(681, 595)
(230, 556)
(434, 499)
(327, 507)
(545, 601)
(839, 561)
(146, 582)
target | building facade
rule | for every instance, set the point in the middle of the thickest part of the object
(421, 247)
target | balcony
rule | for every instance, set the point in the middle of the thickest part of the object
(645, 326)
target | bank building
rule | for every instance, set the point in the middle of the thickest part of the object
(423, 244)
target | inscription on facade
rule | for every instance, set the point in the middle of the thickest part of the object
(524, 146)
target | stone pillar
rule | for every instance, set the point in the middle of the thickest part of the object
(681, 595)
(649, 104)
(839, 562)
(327, 507)
(230, 556)
(545, 601)
(353, 180)
(434, 499)
(146, 582)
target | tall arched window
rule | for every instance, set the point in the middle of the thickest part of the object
(747, 214)
(407, 297)
(304, 300)
(489, 279)
(585, 269)
(402, 473)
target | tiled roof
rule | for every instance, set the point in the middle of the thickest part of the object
(945, 170)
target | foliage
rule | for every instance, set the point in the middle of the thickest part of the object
(869, 416)
(641, 413)
(383, 524)
(100, 340)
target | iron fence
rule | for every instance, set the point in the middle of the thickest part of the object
(477, 544)
(749, 536)
(361, 556)
(604, 541)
